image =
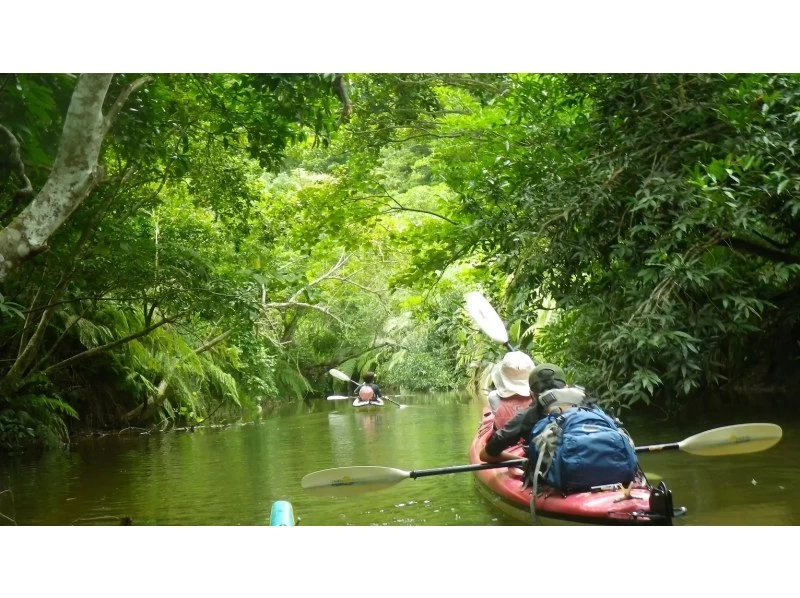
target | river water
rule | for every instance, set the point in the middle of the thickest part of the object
(232, 475)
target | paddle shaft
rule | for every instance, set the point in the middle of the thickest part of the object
(672, 446)
(461, 468)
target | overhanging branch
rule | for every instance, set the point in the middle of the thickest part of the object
(766, 252)
(113, 344)
(121, 100)
(16, 161)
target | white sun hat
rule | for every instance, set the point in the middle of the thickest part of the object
(510, 376)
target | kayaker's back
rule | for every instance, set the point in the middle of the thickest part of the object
(508, 408)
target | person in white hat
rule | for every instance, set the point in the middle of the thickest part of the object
(512, 392)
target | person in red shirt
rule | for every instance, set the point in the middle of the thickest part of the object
(512, 392)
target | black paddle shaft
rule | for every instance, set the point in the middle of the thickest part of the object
(460, 468)
(654, 448)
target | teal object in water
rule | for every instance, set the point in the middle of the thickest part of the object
(282, 513)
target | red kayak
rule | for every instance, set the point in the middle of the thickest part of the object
(615, 506)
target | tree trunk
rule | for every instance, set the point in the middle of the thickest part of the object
(74, 174)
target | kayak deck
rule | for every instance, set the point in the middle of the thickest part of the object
(503, 486)
(367, 405)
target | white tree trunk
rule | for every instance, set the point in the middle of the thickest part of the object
(74, 174)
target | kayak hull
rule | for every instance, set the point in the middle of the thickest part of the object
(368, 405)
(503, 488)
(281, 514)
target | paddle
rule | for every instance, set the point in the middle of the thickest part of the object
(486, 318)
(349, 481)
(729, 440)
(345, 378)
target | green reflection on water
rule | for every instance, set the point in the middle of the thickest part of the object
(232, 475)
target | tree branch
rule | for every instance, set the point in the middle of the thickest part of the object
(754, 248)
(108, 121)
(76, 299)
(214, 341)
(299, 305)
(74, 174)
(148, 406)
(53, 347)
(355, 284)
(340, 87)
(339, 263)
(113, 344)
(341, 360)
(16, 160)
(400, 207)
(404, 209)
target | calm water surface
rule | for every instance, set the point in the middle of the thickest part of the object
(232, 475)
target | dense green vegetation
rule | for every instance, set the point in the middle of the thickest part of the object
(235, 236)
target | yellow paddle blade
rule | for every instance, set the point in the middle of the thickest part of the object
(733, 440)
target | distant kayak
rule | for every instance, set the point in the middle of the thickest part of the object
(606, 506)
(368, 405)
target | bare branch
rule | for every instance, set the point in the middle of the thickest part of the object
(355, 284)
(16, 160)
(342, 360)
(399, 207)
(121, 100)
(214, 341)
(340, 87)
(340, 262)
(404, 209)
(772, 255)
(112, 345)
(54, 345)
(299, 305)
(76, 299)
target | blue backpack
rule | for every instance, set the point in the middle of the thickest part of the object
(582, 448)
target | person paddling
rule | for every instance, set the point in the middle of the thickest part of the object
(543, 378)
(512, 392)
(368, 391)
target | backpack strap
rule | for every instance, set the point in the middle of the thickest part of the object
(545, 443)
(571, 395)
(535, 489)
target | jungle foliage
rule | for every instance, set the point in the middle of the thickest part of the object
(240, 234)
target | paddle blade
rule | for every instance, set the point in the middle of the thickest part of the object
(340, 375)
(733, 440)
(349, 481)
(338, 398)
(485, 317)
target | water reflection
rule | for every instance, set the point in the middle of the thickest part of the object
(232, 475)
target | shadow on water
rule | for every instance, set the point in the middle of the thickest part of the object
(231, 475)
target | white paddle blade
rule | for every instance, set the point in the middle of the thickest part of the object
(338, 398)
(733, 440)
(485, 317)
(349, 481)
(340, 375)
